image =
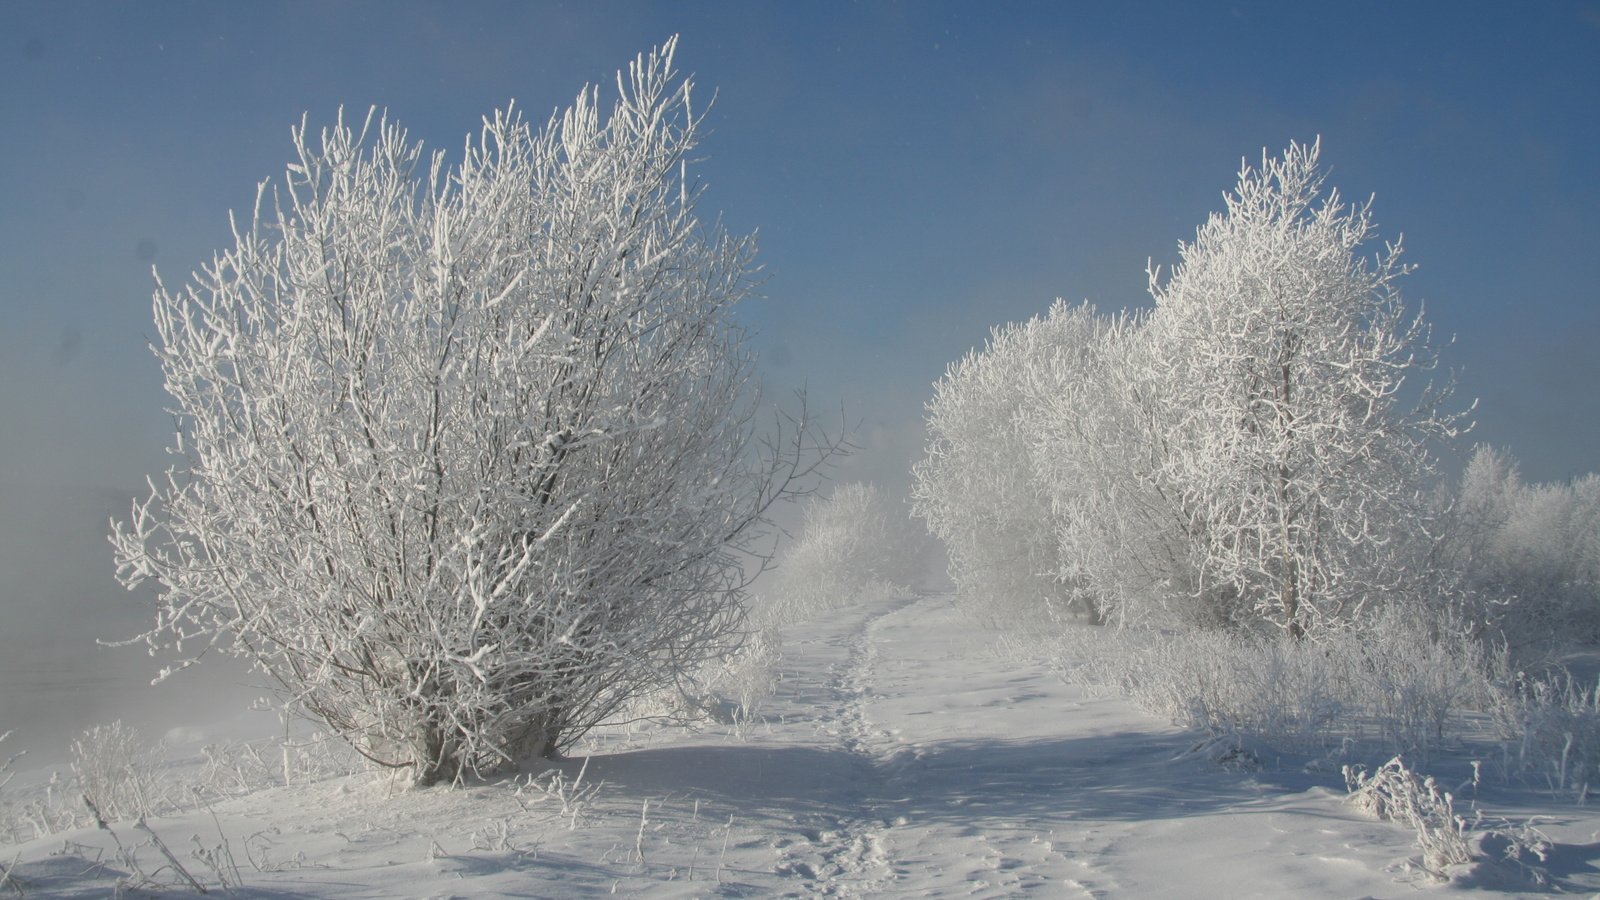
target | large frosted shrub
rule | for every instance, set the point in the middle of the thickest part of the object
(1298, 445)
(465, 454)
(1551, 727)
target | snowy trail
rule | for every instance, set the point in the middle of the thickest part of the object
(906, 756)
(903, 755)
(990, 777)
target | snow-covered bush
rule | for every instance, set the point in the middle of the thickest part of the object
(111, 768)
(1551, 727)
(1467, 851)
(1019, 436)
(49, 808)
(1398, 684)
(119, 773)
(235, 768)
(852, 546)
(1251, 687)
(466, 455)
(731, 690)
(1395, 793)
(1412, 677)
(573, 794)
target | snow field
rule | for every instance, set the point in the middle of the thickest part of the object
(904, 753)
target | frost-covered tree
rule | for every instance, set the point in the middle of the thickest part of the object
(978, 489)
(1299, 439)
(466, 455)
(1039, 475)
(1096, 442)
(1529, 554)
(1035, 477)
(862, 535)
(1254, 449)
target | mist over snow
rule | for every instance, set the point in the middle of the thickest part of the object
(913, 175)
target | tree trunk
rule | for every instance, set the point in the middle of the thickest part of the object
(1290, 597)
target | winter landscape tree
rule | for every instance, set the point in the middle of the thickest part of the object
(978, 489)
(1285, 357)
(1096, 441)
(1252, 450)
(1527, 556)
(467, 455)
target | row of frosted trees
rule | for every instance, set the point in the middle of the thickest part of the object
(1255, 451)
(467, 455)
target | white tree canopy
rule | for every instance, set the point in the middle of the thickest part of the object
(1254, 449)
(1284, 356)
(979, 489)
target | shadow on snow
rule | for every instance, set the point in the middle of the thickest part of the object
(1116, 777)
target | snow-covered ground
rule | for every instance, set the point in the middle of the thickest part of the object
(904, 754)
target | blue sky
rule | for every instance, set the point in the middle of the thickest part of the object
(919, 172)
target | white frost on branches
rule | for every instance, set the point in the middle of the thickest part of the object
(1528, 555)
(985, 487)
(1284, 358)
(466, 454)
(1254, 450)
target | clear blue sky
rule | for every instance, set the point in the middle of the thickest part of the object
(919, 172)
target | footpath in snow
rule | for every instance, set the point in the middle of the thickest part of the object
(903, 754)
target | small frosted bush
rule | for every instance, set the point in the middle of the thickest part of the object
(1551, 727)
(732, 689)
(50, 808)
(1409, 677)
(111, 768)
(235, 768)
(118, 772)
(1395, 793)
(1395, 680)
(1213, 682)
(1467, 852)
